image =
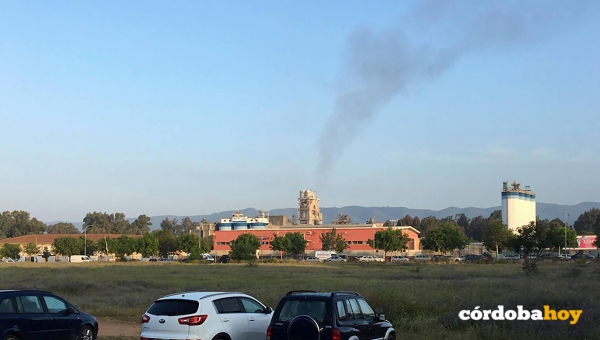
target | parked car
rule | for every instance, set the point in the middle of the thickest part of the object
(472, 257)
(399, 259)
(310, 315)
(422, 258)
(379, 259)
(366, 258)
(312, 259)
(437, 258)
(224, 259)
(582, 256)
(335, 258)
(33, 314)
(207, 257)
(79, 258)
(513, 257)
(206, 315)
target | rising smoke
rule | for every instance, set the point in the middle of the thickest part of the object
(381, 65)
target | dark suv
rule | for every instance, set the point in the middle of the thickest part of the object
(32, 314)
(309, 315)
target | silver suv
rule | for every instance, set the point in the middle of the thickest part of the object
(206, 315)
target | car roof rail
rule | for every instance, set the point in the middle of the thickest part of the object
(344, 292)
(204, 297)
(292, 292)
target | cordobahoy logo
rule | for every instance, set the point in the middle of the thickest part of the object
(571, 315)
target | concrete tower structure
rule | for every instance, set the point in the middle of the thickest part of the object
(518, 206)
(308, 208)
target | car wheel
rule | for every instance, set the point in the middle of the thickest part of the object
(11, 337)
(86, 333)
(392, 336)
(304, 327)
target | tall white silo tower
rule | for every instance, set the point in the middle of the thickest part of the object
(518, 206)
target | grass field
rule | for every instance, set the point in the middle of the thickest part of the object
(421, 301)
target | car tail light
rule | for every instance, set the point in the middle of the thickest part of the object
(145, 319)
(269, 332)
(142, 338)
(193, 320)
(336, 334)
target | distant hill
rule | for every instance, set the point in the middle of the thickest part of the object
(360, 214)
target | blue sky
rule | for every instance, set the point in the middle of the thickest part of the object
(190, 107)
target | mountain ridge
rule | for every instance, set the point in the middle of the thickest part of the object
(360, 214)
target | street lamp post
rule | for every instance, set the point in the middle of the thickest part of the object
(36, 243)
(85, 240)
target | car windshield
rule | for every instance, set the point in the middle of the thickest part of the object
(173, 307)
(292, 308)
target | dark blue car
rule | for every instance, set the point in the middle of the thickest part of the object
(33, 314)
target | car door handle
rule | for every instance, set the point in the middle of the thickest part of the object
(225, 320)
(251, 319)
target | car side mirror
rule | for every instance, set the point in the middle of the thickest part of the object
(70, 311)
(381, 317)
(268, 310)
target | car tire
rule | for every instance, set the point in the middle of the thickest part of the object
(11, 337)
(392, 336)
(86, 333)
(303, 327)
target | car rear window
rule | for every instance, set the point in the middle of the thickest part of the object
(173, 307)
(292, 308)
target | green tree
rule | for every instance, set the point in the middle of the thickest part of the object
(66, 246)
(496, 235)
(281, 244)
(476, 227)
(171, 225)
(446, 238)
(10, 250)
(20, 223)
(495, 215)
(597, 232)
(124, 245)
(186, 242)
(46, 254)
(584, 225)
(407, 221)
(530, 239)
(417, 223)
(149, 245)
(63, 228)
(167, 242)
(331, 240)
(555, 236)
(297, 243)
(194, 253)
(87, 246)
(31, 249)
(140, 226)
(103, 223)
(463, 221)
(389, 240)
(244, 247)
(188, 226)
(428, 224)
(105, 245)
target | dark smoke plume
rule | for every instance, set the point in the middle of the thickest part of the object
(380, 65)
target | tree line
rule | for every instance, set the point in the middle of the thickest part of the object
(159, 243)
(587, 223)
(20, 223)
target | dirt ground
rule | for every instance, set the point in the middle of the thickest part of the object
(113, 327)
